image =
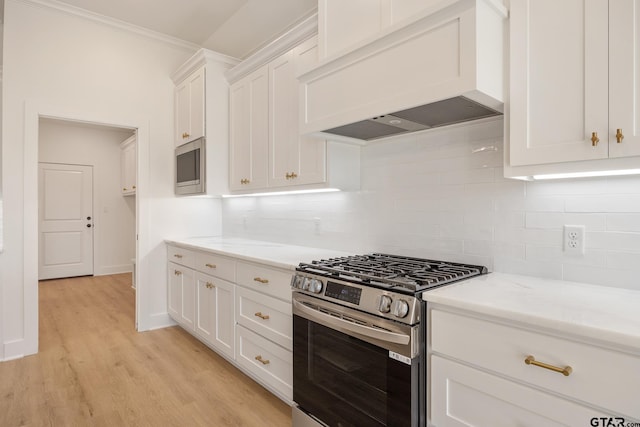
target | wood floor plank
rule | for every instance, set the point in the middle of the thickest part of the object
(94, 369)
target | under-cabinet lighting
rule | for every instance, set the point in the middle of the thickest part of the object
(587, 174)
(283, 193)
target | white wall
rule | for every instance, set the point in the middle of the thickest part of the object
(113, 215)
(62, 65)
(443, 195)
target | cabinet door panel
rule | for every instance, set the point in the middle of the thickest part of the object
(249, 131)
(559, 80)
(197, 105)
(463, 396)
(215, 316)
(182, 112)
(624, 69)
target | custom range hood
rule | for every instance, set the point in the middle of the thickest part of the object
(441, 67)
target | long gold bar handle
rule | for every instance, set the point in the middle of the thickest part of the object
(594, 138)
(619, 135)
(566, 371)
(261, 280)
(261, 360)
(262, 316)
(210, 265)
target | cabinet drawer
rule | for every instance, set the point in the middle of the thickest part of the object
(599, 376)
(181, 256)
(462, 396)
(216, 265)
(269, 363)
(267, 280)
(267, 316)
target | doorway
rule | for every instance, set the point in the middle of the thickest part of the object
(87, 226)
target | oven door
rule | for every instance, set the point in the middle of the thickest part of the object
(351, 369)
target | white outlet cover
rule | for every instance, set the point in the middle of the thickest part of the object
(574, 239)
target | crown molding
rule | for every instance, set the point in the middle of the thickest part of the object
(112, 22)
(200, 58)
(292, 38)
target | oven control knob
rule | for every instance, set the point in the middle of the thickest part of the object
(305, 284)
(400, 308)
(385, 304)
(315, 286)
(297, 282)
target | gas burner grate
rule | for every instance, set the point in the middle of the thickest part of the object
(393, 271)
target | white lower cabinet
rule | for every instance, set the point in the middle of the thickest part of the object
(215, 320)
(480, 375)
(182, 300)
(249, 322)
(265, 361)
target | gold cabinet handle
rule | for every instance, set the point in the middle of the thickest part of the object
(209, 285)
(261, 280)
(177, 256)
(594, 139)
(287, 175)
(291, 175)
(185, 135)
(294, 175)
(262, 316)
(619, 135)
(210, 265)
(261, 360)
(177, 272)
(566, 371)
(134, 187)
(244, 181)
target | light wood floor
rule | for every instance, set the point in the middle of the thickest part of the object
(93, 368)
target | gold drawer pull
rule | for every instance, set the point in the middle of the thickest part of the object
(566, 371)
(261, 360)
(177, 272)
(177, 256)
(209, 285)
(619, 135)
(594, 138)
(261, 280)
(262, 316)
(210, 265)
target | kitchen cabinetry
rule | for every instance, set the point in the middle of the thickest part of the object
(240, 310)
(265, 326)
(249, 133)
(128, 166)
(479, 375)
(202, 110)
(267, 151)
(190, 108)
(574, 87)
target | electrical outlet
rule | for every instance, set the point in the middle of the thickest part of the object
(574, 239)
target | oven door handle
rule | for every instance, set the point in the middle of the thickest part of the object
(366, 331)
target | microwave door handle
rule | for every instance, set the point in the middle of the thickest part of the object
(366, 331)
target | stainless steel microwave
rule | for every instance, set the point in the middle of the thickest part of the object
(191, 168)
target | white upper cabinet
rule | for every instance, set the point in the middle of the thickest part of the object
(128, 166)
(573, 83)
(202, 110)
(624, 81)
(190, 108)
(249, 131)
(293, 159)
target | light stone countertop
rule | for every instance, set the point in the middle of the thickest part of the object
(606, 314)
(268, 253)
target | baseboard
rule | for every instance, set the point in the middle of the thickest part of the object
(13, 350)
(113, 269)
(156, 321)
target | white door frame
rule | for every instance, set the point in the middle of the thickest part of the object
(33, 113)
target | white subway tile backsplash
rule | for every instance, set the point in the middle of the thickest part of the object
(441, 195)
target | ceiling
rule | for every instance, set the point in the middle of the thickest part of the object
(234, 27)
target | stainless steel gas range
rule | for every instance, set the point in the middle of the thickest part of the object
(359, 354)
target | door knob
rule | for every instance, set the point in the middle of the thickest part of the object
(88, 225)
(88, 218)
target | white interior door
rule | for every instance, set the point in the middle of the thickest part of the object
(65, 210)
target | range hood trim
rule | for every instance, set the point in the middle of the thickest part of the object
(473, 82)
